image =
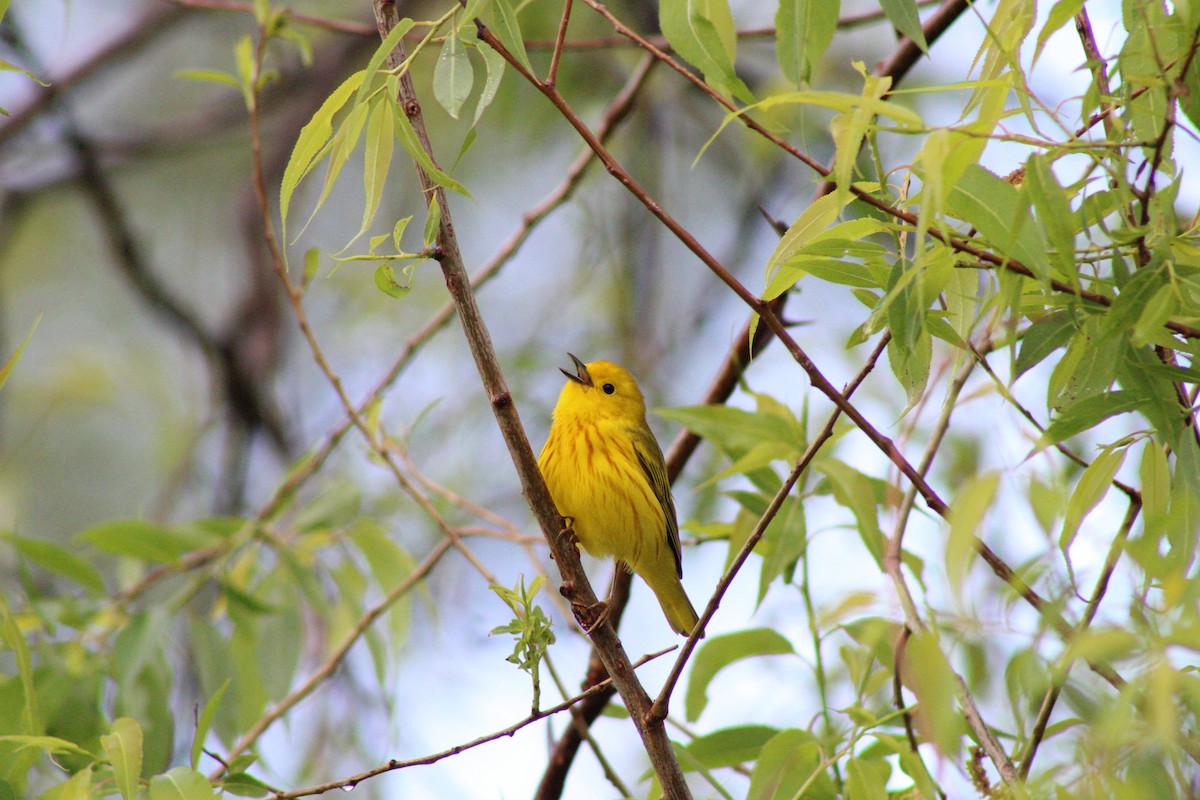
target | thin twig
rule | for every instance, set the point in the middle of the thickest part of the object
(352, 781)
(988, 259)
(552, 74)
(339, 653)
(660, 704)
(1064, 669)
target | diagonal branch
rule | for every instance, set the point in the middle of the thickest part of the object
(760, 527)
(575, 582)
(347, 784)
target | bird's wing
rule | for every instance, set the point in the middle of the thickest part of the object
(650, 456)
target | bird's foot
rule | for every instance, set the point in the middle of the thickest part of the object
(591, 616)
(568, 531)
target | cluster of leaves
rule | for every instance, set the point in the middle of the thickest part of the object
(230, 595)
(1095, 275)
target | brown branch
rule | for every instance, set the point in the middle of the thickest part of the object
(1061, 674)
(349, 783)
(552, 73)
(335, 658)
(575, 582)
(129, 43)
(847, 22)
(335, 25)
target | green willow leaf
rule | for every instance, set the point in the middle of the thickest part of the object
(728, 747)
(718, 652)
(123, 747)
(1053, 214)
(508, 31)
(967, 511)
(495, 63)
(702, 32)
(803, 31)
(181, 783)
(412, 145)
(1093, 484)
(453, 76)
(903, 16)
(377, 158)
(1088, 413)
(312, 141)
(995, 208)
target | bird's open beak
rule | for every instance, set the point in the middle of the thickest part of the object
(581, 375)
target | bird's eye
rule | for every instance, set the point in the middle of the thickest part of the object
(608, 388)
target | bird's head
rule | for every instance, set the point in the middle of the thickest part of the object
(599, 390)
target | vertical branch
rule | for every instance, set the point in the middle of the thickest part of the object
(552, 74)
(575, 582)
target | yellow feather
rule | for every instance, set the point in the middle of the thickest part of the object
(606, 474)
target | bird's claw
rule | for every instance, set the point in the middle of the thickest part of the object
(568, 531)
(591, 616)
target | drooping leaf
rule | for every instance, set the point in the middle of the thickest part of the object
(803, 31)
(903, 16)
(966, 514)
(1093, 484)
(508, 31)
(1053, 214)
(494, 62)
(731, 746)
(313, 138)
(412, 145)
(1155, 475)
(60, 560)
(994, 207)
(377, 158)
(181, 783)
(453, 76)
(855, 491)
(123, 747)
(702, 32)
(928, 674)
(718, 652)
(783, 543)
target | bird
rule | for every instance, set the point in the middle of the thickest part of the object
(607, 476)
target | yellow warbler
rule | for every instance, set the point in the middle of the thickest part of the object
(608, 479)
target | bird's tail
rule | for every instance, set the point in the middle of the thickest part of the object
(675, 604)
